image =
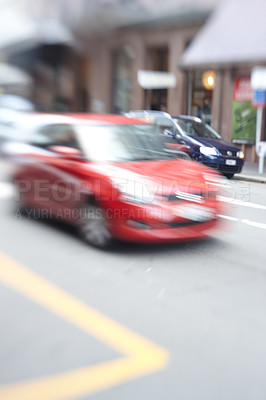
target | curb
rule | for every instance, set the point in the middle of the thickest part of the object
(250, 178)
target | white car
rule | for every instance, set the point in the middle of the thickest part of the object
(13, 109)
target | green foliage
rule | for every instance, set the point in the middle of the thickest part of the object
(244, 121)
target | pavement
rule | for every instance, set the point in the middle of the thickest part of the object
(250, 172)
(77, 322)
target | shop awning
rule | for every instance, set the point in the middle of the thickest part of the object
(18, 32)
(11, 75)
(235, 33)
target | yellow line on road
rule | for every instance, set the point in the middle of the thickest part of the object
(141, 356)
(82, 382)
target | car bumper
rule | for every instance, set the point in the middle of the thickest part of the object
(222, 165)
(225, 169)
(163, 226)
(166, 235)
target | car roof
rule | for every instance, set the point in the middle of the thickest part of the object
(108, 119)
(157, 113)
(187, 118)
(148, 112)
(35, 120)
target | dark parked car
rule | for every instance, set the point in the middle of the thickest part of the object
(202, 142)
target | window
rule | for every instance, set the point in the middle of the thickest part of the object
(56, 134)
(122, 81)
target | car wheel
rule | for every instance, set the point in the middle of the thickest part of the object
(93, 227)
(184, 156)
(229, 176)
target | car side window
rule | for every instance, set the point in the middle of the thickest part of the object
(167, 125)
(186, 127)
(56, 135)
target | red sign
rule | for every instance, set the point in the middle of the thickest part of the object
(243, 90)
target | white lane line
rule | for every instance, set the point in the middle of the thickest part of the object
(244, 221)
(241, 203)
(229, 218)
(255, 224)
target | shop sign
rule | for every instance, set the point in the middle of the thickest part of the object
(243, 90)
(156, 79)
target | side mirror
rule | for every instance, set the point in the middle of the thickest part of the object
(69, 153)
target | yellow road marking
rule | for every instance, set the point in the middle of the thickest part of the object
(141, 357)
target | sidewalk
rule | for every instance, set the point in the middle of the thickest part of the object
(250, 172)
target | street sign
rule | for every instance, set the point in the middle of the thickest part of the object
(258, 78)
(259, 98)
(258, 83)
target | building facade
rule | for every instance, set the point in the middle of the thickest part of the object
(114, 65)
(194, 61)
(231, 45)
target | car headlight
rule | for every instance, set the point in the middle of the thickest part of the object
(240, 154)
(208, 151)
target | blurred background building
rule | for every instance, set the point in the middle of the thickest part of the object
(185, 57)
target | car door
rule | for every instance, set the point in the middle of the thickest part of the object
(56, 182)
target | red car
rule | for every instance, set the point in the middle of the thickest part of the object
(112, 177)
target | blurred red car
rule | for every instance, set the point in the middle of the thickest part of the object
(112, 177)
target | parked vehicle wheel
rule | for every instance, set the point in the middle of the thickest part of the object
(184, 156)
(93, 227)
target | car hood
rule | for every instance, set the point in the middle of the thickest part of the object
(167, 173)
(218, 144)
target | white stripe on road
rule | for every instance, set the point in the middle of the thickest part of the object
(244, 221)
(229, 218)
(241, 203)
(256, 224)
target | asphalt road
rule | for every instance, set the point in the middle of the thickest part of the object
(201, 304)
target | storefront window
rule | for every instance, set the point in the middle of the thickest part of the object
(156, 98)
(200, 103)
(122, 81)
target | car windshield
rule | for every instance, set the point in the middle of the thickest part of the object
(166, 124)
(118, 143)
(197, 129)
